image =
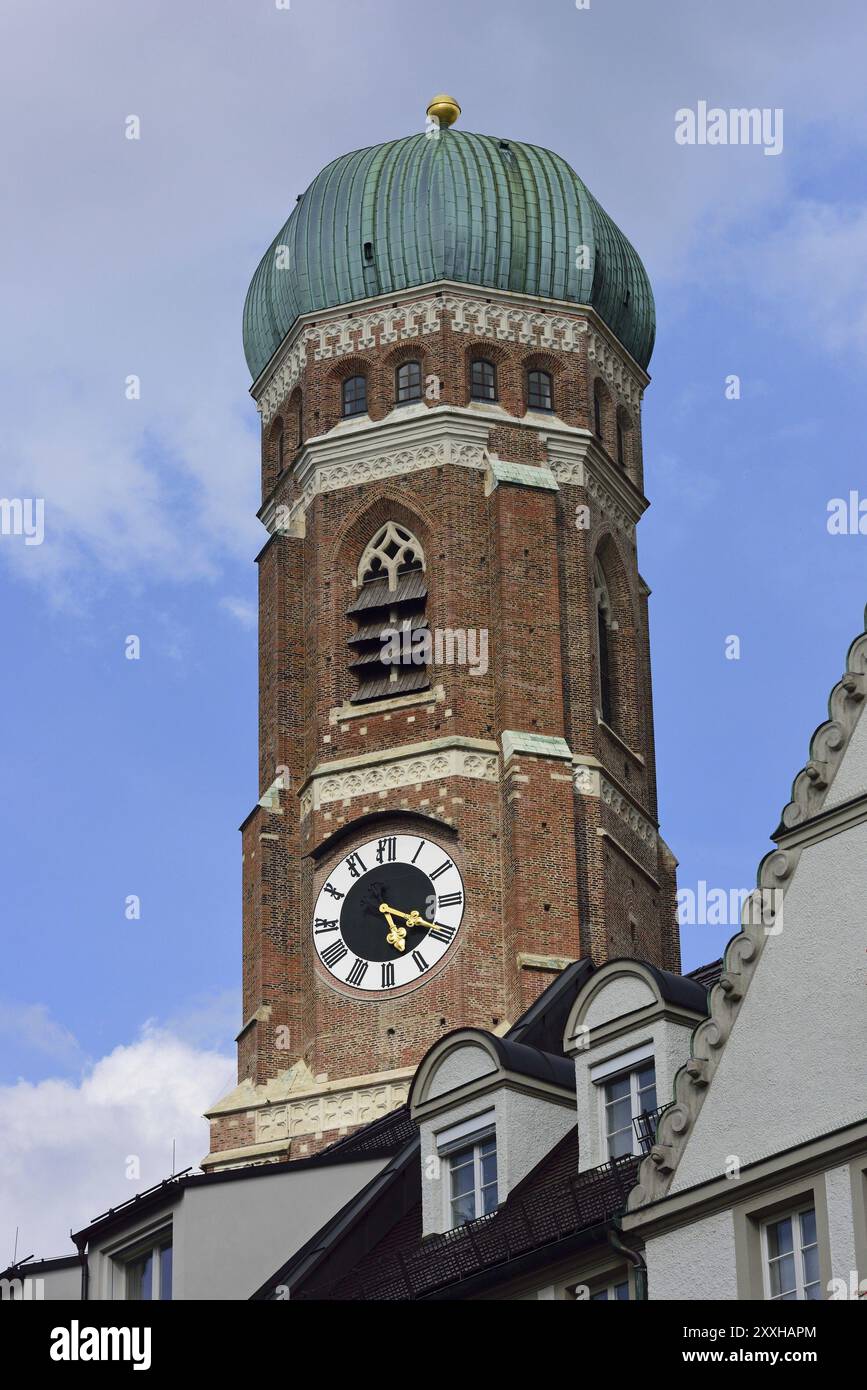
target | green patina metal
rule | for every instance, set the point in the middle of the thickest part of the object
(464, 207)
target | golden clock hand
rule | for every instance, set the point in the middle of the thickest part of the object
(397, 935)
(415, 919)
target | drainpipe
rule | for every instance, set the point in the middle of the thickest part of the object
(635, 1258)
(85, 1272)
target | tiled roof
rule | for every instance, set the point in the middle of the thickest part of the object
(553, 1202)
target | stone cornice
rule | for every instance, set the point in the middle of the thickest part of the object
(556, 325)
(761, 915)
(369, 773)
(417, 437)
(590, 780)
(815, 1154)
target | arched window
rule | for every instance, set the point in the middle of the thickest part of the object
(605, 626)
(408, 382)
(483, 380)
(390, 649)
(355, 395)
(624, 430)
(540, 391)
(597, 411)
(279, 446)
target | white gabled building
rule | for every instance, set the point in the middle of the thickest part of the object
(756, 1187)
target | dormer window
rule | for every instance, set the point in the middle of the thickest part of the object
(483, 380)
(355, 396)
(408, 383)
(628, 1098)
(540, 391)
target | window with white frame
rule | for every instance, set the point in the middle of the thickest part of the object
(146, 1270)
(617, 1292)
(790, 1257)
(627, 1097)
(472, 1179)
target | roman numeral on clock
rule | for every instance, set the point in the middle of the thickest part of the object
(451, 900)
(388, 974)
(386, 850)
(441, 870)
(421, 845)
(420, 961)
(334, 953)
(356, 865)
(322, 924)
(357, 973)
(441, 933)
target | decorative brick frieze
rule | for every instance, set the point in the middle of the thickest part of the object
(407, 767)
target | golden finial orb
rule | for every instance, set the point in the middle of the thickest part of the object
(445, 108)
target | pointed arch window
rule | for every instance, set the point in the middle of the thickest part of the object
(605, 627)
(355, 396)
(279, 446)
(408, 382)
(483, 380)
(390, 647)
(597, 411)
(540, 391)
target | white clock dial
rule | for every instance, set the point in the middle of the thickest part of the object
(388, 912)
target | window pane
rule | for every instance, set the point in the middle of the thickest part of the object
(808, 1227)
(782, 1276)
(811, 1264)
(779, 1238)
(620, 1144)
(489, 1168)
(483, 381)
(646, 1077)
(355, 396)
(463, 1173)
(647, 1097)
(621, 1291)
(463, 1209)
(617, 1088)
(600, 1297)
(165, 1272)
(139, 1278)
(409, 382)
(539, 395)
(619, 1115)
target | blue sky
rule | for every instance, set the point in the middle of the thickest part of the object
(129, 257)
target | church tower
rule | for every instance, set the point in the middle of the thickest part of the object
(449, 340)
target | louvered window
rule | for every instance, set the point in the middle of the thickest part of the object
(388, 647)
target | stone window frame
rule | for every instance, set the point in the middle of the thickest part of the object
(858, 1180)
(751, 1216)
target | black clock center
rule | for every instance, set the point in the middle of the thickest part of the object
(365, 928)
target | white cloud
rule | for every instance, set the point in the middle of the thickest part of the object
(241, 609)
(66, 1145)
(32, 1028)
(812, 269)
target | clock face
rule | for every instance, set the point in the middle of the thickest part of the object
(388, 912)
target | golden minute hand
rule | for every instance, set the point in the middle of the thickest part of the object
(412, 919)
